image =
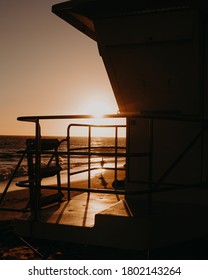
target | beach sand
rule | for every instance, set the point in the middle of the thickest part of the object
(12, 247)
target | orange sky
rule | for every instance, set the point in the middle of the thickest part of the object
(47, 68)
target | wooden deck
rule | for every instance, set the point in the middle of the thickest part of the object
(114, 221)
(80, 210)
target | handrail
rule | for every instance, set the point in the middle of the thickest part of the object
(142, 115)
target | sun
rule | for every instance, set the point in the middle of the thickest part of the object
(98, 108)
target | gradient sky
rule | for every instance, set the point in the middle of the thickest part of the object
(47, 68)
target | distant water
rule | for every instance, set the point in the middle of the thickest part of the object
(10, 145)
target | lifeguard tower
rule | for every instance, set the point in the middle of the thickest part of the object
(156, 57)
(155, 54)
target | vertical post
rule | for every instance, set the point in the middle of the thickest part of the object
(68, 164)
(57, 164)
(89, 157)
(116, 151)
(150, 165)
(203, 152)
(30, 165)
(36, 186)
(127, 149)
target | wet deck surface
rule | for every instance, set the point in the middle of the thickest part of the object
(80, 210)
(108, 219)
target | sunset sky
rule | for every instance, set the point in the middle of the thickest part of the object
(47, 68)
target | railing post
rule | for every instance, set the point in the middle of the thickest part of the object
(116, 150)
(35, 191)
(89, 157)
(150, 165)
(68, 162)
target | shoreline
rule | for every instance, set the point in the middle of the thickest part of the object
(17, 197)
(83, 176)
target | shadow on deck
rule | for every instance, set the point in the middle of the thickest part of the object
(110, 220)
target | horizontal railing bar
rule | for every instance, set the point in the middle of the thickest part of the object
(88, 153)
(112, 168)
(98, 147)
(96, 168)
(82, 171)
(72, 149)
(97, 154)
(80, 153)
(98, 125)
(116, 191)
(141, 115)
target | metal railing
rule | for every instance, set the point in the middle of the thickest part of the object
(34, 183)
(89, 151)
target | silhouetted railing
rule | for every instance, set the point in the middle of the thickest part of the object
(90, 151)
(152, 186)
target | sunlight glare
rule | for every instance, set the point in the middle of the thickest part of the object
(98, 108)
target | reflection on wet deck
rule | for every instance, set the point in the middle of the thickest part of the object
(80, 210)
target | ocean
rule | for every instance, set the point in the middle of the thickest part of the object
(10, 145)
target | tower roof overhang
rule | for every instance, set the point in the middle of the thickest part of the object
(82, 13)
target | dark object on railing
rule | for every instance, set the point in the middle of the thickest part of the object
(119, 184)
(45, 144)
(46, 172)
